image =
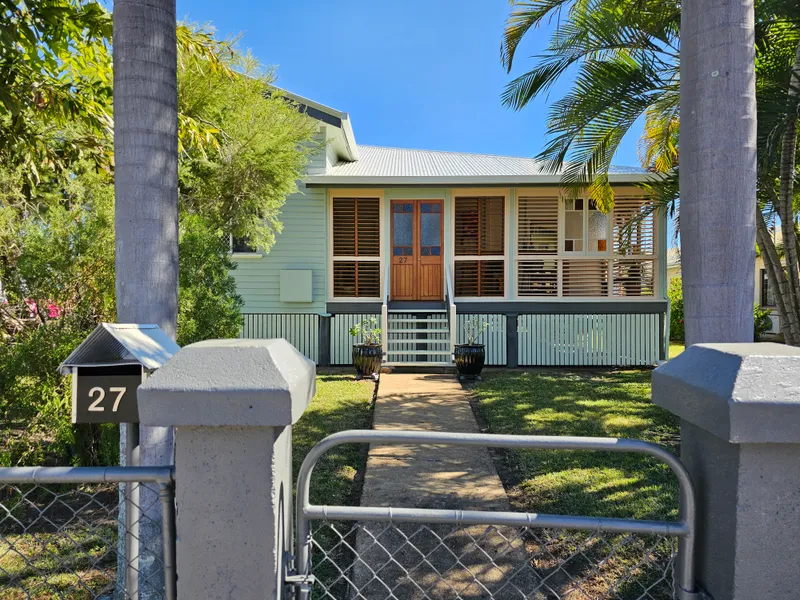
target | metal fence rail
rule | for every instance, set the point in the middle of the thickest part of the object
(63, 533)
(402, 553)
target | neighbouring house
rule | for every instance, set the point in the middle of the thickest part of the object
(424, 241)
(764, 295)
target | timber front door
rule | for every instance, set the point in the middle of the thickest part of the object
(417, 251)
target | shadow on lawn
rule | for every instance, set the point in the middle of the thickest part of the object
(582, 403)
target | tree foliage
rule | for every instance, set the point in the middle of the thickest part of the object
(623, 59)
(241, 153)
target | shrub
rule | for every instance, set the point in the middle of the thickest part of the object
(675, 295)
(762, 321)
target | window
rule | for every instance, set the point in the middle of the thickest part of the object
(585, 227)
(479, 246)
(241, 245)
(537, 238)
(569, 247)
(356, 247)
(767, 295)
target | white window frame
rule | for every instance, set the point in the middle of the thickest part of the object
(561, 255)
(456, 193)
(357, 193)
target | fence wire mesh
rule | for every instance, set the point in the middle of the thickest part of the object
(410, 561)
(68, 541)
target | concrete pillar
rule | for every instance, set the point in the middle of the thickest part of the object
(739, 406)
(233, 403)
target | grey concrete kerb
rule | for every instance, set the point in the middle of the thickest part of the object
(742, 393)
(229, 382)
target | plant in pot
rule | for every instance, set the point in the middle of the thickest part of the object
(470, 357)
(367, 355)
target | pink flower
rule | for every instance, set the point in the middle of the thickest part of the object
(53, 311)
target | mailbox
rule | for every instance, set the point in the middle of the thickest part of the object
(108, 367)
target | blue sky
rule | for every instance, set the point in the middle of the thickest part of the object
(411, 73)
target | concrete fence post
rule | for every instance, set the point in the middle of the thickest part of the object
(233, 403)
(739, 406)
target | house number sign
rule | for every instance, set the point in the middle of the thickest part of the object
(106, 394)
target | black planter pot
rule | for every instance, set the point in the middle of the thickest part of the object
(469, 359)
(367, 359)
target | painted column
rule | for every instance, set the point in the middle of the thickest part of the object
(233, 403)
(739, 406)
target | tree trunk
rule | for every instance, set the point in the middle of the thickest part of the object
(718, 169)
(785, 198)
(146, 194)
(787, 309)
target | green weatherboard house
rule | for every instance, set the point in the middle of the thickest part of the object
(425, 241)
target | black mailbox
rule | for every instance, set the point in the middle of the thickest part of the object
(108, 367)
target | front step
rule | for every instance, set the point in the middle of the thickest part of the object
(418, 338)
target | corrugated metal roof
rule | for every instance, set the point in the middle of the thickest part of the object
(393, 163)
(112, 343)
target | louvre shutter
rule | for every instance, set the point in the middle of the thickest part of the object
(479, 231)
(537, 235)
(356, 235)
(633, 277)
(476, 278)
(585, 277)
(634, 228)
(537, 225)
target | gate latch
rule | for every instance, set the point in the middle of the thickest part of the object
(301, 582)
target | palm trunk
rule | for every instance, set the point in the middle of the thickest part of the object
(787, 308)
(146, 194)
(718, 169)
(785, 197)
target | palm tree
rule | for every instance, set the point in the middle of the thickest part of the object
(624, 56)
(718, 170)
(146, 197)
(627, 64)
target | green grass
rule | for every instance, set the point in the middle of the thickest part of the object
(77, 566)
(675, 348)
(341, 403)
(589, 403)
(583, 403)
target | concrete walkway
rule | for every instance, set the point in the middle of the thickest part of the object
(429, 476)
(414, 562)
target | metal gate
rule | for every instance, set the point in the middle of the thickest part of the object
(406, 553)
(63, 533)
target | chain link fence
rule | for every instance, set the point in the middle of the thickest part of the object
(86, 534)
(410, 561)
(403, 553)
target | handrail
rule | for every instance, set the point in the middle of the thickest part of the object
(452, 315)
(385, 312)
(684, 528)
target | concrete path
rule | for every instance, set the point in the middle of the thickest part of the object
(437, 562)
(429, 476)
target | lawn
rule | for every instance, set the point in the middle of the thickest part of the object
(341, 403)
(675, 348)
(595, 403)
(583, 403)
(81, 563)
